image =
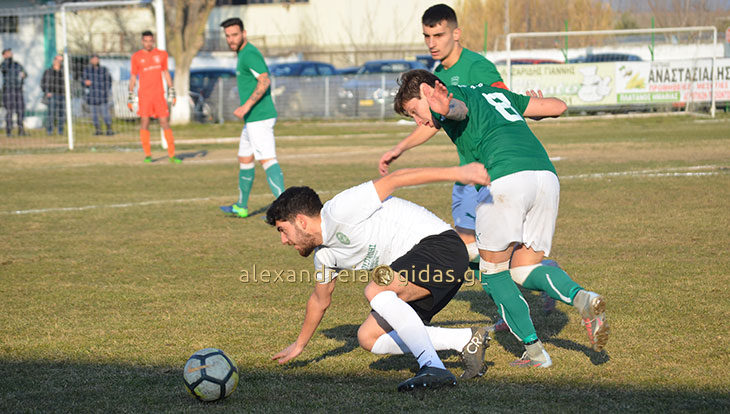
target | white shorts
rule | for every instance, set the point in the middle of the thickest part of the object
(464, 206)
(257, 139)
(520, 207)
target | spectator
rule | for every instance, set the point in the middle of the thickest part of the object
(99, 83)
(13, 77)
(54, 95)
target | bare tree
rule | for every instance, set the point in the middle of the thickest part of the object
(529, 16)
(185, 22)
(679, 13)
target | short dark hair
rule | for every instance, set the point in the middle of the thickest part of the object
(7, 50)
(233, 21)
(410, 87)
(438, 13)
(293, 201)
(148, 33)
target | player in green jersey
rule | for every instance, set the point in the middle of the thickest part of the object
(459, 66)
(516, 214)
(258, 112)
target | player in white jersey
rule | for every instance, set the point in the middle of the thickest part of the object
(418, 261)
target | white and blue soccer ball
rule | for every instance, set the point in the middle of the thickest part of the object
(210, 375)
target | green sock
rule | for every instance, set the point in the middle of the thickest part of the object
(275, 178)
(245, 182)
(553, 281)
(510, 304)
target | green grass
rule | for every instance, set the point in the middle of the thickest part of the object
(103, 303)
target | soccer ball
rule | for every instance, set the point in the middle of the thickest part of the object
(210, 375)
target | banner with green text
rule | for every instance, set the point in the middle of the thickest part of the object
(623, 83)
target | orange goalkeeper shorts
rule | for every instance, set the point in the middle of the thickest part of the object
(153, 107)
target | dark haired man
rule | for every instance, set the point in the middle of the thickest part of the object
(364, 228)
(258, 112)
(13, 77)
(458, 66)
(99, 83)
(515, 216)
(150, 64)
(52, 85)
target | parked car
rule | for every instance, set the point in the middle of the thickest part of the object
(302, 68)
(351, 70)
(372, 90)
(428, 61)
(302, 89)
(605, 57)
(214, 94)
(390, 66)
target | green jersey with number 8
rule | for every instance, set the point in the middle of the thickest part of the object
(494, 131)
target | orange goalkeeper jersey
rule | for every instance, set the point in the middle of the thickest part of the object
(149, 66)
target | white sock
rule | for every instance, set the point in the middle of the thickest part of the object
(473, 251)
(442, 339)
(269, 163)
(449, 338)
(389, 344)
(408, 325)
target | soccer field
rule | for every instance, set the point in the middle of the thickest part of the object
(114, 272)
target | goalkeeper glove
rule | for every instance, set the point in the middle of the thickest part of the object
(130, 101)
(171, 95)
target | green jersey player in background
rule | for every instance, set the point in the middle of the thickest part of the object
(515, 216)
(258, 112)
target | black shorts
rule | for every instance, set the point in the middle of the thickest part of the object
(437, 263)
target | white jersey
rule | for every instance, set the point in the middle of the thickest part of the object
(361, 232)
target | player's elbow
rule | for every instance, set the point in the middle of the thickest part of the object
(560, 107)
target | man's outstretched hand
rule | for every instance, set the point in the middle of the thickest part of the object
(289, 353)
(386, 159)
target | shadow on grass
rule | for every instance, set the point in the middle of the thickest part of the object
(184, 155)
(547, 326)
(260, 210)
(195, 154)
(347, 334)
(39, 386)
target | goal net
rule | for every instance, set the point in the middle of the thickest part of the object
(668, 69)
(75, 60)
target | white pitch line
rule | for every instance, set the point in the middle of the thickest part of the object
(120, 205)
(666, 172)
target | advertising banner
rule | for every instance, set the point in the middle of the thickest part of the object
(672, 81)
(622, 83)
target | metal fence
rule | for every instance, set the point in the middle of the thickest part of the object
(298, 97)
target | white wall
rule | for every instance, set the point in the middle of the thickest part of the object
(332, 23)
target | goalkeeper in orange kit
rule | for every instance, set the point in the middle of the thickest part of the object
(150, 64)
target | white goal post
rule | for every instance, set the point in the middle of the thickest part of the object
(71, 7)
(511, 37)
